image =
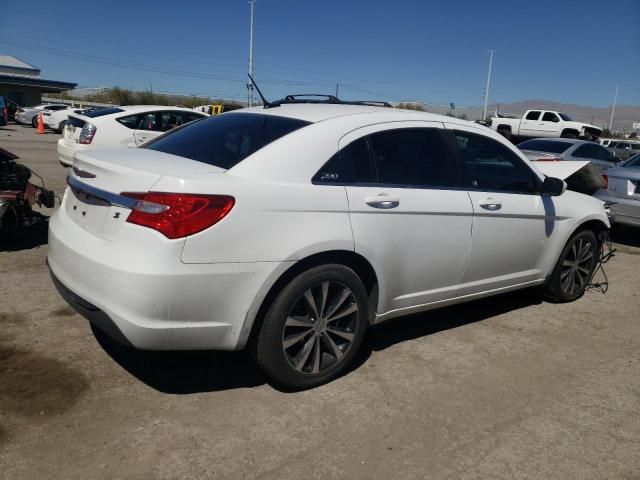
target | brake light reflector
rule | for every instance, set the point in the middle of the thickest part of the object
(87, 133)
(606, 181)
(178, 215)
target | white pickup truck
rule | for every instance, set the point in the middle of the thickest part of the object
(543, 123)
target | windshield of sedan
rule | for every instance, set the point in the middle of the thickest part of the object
(545, 146)
(227, 139)
(565, 117)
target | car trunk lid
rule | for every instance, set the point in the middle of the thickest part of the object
(97, 179)
(624, 182)
(72, 129)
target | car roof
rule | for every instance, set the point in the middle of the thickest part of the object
(317, 112)
(148, 108)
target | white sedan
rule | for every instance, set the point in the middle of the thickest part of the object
(128, 126)
(57, 119)
(289, 230)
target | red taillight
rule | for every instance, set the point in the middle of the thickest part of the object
(87, 133)
(606, 181)
(178, 215)
(548, 159)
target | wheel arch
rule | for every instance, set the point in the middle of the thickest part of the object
(572, 131)
(594, 224)
(359, 264)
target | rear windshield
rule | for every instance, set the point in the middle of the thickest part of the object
(544, 146)
(103, 111)
(633, 161)
(225, 140)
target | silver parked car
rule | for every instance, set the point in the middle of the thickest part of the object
(623, 150)
(551, 149)
(29, 115)
(622, 186)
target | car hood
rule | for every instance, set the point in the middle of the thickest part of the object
(579, 125)
(580, 176)
(561, 170)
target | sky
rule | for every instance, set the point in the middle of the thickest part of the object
(402, 50)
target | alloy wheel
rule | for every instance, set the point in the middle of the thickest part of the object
(320, 327)
(577, 266)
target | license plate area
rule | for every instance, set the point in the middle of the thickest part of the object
(87, 211)
(94, 214)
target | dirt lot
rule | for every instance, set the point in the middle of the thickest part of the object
(509, 387)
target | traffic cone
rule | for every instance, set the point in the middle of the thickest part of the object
(40, 124)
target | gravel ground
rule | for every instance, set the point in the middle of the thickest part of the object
(507, 387)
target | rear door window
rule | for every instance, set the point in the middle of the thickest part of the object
(225, 140)
(151, 121)
(533, 116)
(412, 157)
(583, 151)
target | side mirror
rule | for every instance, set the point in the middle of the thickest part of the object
(553, 187)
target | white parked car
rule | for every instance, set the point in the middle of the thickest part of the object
(30, 115)
(57, 119)
(291, 229)
(128, 126)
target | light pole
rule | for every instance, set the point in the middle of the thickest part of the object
(150, 85)
(613, 108)
(486, 91)
(250, 84)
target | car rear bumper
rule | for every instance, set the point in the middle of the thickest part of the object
(625, 210)
(143, 295)
(23, 118)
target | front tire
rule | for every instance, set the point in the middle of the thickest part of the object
(34, 122)
(314, 328)
(61, 126)
(574, 269)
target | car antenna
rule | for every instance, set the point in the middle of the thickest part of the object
(266, 103)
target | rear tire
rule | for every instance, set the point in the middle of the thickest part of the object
(569, 135)
(505, 132)
(574, 269)
(314, 328)
(61, 126)
(34, 121)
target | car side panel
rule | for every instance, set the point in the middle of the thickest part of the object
(269, 222)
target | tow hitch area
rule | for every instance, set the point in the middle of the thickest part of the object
(18, 195)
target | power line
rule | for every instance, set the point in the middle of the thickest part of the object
(138, 66)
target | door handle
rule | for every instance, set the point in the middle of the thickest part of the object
(491, 204)
(382, 201)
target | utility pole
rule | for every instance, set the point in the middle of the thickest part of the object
(337, 88)
(486, 91)
(613, 108)
(250, 84)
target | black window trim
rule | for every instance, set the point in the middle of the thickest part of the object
(448, 138)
